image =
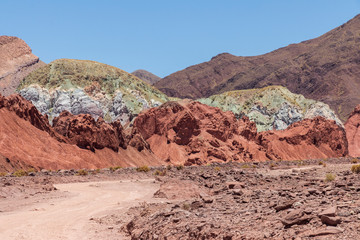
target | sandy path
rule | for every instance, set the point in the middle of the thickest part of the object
(68, 218)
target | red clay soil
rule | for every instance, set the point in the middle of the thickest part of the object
(16, 62)
(189, 132)
(352, 127)
(26, 141)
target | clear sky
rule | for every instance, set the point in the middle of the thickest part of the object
(166, 36)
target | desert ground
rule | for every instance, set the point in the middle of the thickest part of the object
(315, 199)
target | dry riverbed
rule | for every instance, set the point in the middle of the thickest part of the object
(272, 200)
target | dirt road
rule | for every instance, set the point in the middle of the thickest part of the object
(69, 217)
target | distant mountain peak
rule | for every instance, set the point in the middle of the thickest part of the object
(146, 76)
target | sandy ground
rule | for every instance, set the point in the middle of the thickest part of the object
(71, 215)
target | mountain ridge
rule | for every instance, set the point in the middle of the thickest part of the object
(324, 68)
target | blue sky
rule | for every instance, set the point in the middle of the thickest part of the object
(166, 36)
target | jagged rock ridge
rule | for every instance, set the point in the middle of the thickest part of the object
(189, 132)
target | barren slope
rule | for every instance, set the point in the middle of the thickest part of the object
(325, 69)
(16, 62)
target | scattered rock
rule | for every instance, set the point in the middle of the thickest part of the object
(330, 212)
(323, 232)
(332, 221)
(285, 205)
(296, 216)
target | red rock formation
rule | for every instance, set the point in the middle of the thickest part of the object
(87, 133)
(308, 139)
(27, 111)
(185, 132)
(193, 133)
(16, 62)
(27, 140)
(352, 127)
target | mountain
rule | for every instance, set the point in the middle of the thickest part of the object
(326, 69)
(272, 107)
(146, 76)
(16, 61)
(88, 87)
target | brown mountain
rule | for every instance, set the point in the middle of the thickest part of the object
(16, 62)
(326, 68)
(146, 76)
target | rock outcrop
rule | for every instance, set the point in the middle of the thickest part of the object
(272, 107)
(28, 141)
(16, 62)
(87, 133)
(307, 139)
(146, 76)
(189, 132)
(87, 87)
(27, 111)
(352, 127)
(324, 69)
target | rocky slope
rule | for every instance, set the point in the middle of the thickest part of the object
(352, 127)
(146, 76)
(16, 61)
(325, 69)
(87, 87)
(27, 140)
(273, 107)
(188, 132)
(240, 201)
